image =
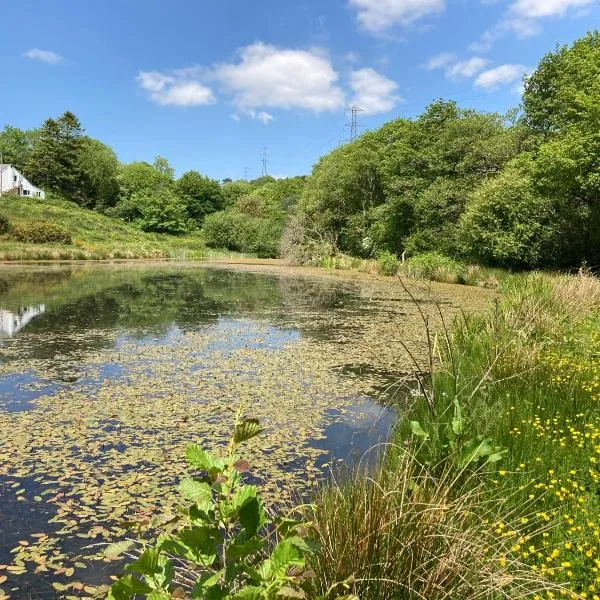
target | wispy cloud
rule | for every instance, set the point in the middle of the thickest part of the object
(523, 19)
(47, 56)
(378, 16)
(499, 76)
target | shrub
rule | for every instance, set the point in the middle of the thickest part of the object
(40, 232)
(435, 267)
(225, 229)
(242, 233)
(388, 263)
(4, 224)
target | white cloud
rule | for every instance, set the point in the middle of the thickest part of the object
(466, 68)
(523, 16)
(373, 92)
(175, 90)
(267, 76)
(378, 16)
(46, 56)
(262, 116)
(498, 76)
(236, 117)
(440, 61)
(535, 9)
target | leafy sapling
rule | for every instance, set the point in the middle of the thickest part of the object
(226, 547)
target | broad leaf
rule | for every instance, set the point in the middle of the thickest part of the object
(196, 491)
(118, 548)
(246, 431)
(416, 429)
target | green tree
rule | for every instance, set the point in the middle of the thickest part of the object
(99, 166)
(508, 224)
(162, 165)
(141, 177)
(201, 195)
(565, 88)
(160, 212)
(55, 160)
(15, 145)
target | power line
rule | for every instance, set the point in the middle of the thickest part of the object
(265, 161)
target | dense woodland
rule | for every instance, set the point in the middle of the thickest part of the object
(520, 190)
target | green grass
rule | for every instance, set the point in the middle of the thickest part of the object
(491, 488)
(526, 377)
(93, 235)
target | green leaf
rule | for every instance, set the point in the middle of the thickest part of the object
(244, 549)
(159, 595)
(127, 587)
(116, 549)
(147, 563)
(304, 545)
(198, 458)
(497, 456)
(196, 491)
(457, 421)
(208, 587)
(284, 555)
(246, 430)
(250, 593)
(201, 544)
(416, 429)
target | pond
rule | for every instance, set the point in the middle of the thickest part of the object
(107, 372)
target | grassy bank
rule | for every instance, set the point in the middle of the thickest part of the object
(493, 481)
(93, 235)
(429, 266)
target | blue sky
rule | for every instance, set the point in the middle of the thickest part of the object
(209, 84)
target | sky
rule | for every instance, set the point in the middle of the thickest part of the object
(210, 84)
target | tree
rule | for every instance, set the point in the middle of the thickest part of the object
(55, 160)
(161, 212)
(565, 88)
(15, 145)
(141, 177)
(202, 195)
(162, 165)
(99, 166)
(508, 224)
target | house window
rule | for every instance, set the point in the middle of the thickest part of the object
(38, 194)
(14, 178)
(26, 193)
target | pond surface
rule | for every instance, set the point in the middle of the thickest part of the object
(107, 373)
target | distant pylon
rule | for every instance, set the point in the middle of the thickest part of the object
(246, 171)
(354, 124)
(265, 161)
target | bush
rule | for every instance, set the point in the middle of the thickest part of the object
(242, 233)
(436, 267)
(40, 232)
(388, 263)
(4, 224)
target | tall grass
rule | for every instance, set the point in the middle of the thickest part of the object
(410, 532)
(526, 376)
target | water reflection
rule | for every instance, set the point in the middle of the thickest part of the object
(12, 322)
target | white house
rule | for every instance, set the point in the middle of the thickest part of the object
(13, 181)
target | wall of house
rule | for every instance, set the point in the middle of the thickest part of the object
(29, 190)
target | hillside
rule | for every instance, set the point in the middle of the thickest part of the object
(93, 235)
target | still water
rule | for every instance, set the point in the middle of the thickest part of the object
(108, 372)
